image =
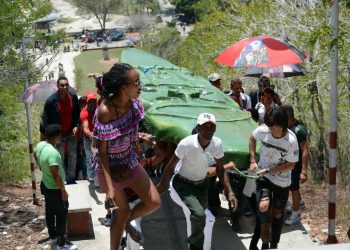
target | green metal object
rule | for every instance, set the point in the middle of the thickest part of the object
(173, 98)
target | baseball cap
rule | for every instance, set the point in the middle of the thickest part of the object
(214, 77)
(206, 117)
(90, 96)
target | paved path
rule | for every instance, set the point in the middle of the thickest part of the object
(166, 229)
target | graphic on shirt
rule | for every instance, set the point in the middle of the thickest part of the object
(210, 159)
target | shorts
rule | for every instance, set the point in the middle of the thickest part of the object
(137, 173)
(295, 177)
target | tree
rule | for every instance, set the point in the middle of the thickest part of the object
(100, 9)
(17, 19)
(305, 23)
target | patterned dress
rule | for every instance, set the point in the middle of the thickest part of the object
(122, 135)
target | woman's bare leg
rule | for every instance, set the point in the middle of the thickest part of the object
(149, 197)
(119, 222)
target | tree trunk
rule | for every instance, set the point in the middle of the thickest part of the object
(319, 157)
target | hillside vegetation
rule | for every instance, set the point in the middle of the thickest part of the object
(306, 25)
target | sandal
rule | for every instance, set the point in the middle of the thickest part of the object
(134, 233)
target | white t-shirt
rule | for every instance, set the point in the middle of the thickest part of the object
(274, 152)
(261, 110)
(193, 163)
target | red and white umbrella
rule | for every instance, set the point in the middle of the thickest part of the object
(260, 51)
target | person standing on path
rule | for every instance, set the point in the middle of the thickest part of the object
(62, 108)
(52, 187)
(278, 154)
(190, 180)
(86, 118)
(116, 136)
(299, 173)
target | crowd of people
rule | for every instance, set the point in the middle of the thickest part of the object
(106, 137)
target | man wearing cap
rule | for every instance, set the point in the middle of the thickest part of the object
(215, 80)
(62, 108)
(190, 180)
(86, 118)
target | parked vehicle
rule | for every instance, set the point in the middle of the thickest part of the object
(116, 34)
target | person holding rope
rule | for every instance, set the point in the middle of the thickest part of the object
(116, 135)
(190, 180)
(278, 154)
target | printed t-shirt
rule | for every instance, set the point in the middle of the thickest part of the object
(274, 152)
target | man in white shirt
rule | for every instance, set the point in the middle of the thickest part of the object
(278, 154)
(190, 180)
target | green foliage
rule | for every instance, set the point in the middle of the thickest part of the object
(305, 26)
(162, 42)
(204, 7)
(14, 160)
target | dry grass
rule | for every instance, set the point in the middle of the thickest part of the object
(316, 212)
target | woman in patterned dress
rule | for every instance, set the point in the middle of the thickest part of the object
(116, 135)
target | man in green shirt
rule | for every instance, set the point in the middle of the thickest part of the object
(52, 187)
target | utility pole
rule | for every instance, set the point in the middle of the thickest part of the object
(332, 175)
(29, 125)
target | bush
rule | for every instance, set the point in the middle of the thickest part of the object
(14, 160)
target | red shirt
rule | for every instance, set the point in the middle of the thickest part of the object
(65, 110)
(89, 116)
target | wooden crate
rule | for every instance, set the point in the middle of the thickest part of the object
(78, 224)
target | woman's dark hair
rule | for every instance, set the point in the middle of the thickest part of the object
(52, 131)
(269, 91)
(115, 78)
(276, 116)
(289, 109)
(99, 83)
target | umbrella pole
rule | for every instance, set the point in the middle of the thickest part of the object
(332, 174)
(29, 126)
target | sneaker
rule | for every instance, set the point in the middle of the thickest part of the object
(293, 219)
(289, 207)
(68, 246)
(108, 220)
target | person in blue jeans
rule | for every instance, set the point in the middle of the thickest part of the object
(62, 108)
(52, 187)
(86, 119)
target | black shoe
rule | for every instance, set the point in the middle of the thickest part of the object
(265, 246)
(253, 248)
(273, 245)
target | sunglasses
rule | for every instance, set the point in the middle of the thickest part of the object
(138, 83)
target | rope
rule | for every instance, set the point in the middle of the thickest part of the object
(240, 173)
